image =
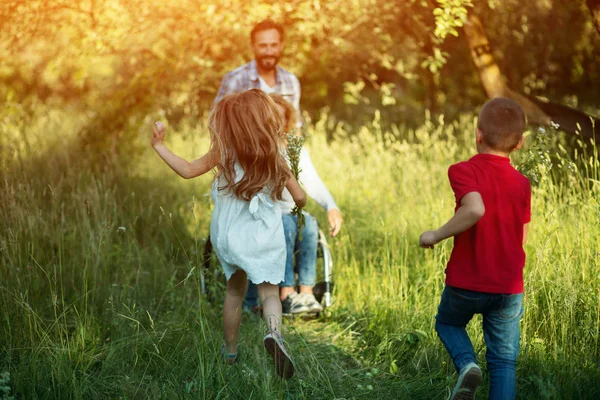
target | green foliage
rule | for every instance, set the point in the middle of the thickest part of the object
(119, 60)
(545, 48)
(451, 15)
(537, 162)
(101, 269)
(5, 386)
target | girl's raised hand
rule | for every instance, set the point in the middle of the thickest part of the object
(158, 133)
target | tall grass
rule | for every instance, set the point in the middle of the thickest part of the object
(101, 266)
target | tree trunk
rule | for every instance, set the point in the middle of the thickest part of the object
(489, 72)
(538, 112)
(594, 6)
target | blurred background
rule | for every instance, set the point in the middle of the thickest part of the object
(121, 60)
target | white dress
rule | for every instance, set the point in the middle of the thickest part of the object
(248, 235)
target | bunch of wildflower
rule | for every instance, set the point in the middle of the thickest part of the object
(536, 160)
(295, 141)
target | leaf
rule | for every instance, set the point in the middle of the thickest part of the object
(394, 368)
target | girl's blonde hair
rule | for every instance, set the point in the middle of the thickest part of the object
(291, 117)
(246, 128)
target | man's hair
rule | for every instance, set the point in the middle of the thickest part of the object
(265, 26)
(502, 123)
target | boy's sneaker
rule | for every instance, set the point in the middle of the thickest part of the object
(311, 302)
(294, 304)
(283, 362)
(468, 381)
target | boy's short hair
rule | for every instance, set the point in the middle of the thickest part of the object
(265, 26)
(502, 123)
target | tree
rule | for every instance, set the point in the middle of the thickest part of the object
(594, 7)
(125, 59)
(489, 72)
(538, 112)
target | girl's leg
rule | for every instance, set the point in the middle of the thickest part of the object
(232, 309)
(269, 297)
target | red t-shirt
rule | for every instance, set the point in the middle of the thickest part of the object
(489, 256)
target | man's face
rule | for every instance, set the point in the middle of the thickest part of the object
(267, 48)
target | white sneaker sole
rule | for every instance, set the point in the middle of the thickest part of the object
(465, 388)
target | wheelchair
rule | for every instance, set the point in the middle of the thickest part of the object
(323, 288)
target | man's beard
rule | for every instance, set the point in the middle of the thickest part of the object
(267, 63)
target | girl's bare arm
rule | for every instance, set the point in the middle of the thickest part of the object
(296, 191)
(182, 167)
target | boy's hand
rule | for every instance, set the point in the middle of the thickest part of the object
(428, 239)
(158, 133)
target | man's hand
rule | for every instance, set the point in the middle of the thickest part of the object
(158, 133)
(428, 239)
(334, 216)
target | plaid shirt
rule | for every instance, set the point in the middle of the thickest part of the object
(246, 78)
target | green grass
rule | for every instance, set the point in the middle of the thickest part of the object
(100, 271)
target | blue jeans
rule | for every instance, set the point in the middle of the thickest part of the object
(305, 252)
(501, 331)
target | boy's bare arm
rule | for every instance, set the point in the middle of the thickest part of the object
(525, 233)
(470, 211)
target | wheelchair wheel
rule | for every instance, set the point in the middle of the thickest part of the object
(323, 289)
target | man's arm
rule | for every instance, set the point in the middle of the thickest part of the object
(317, 190)
(311, 180)
(471, 210)
(525, 233)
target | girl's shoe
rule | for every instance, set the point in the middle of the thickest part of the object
(283, 362)
(229, 358)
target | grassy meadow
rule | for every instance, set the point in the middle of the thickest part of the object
(100, 269)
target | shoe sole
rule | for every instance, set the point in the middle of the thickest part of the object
(315, 310)
(303, 311)
(283, 364)
(469, 385)
(298, 310)
(308, 311)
